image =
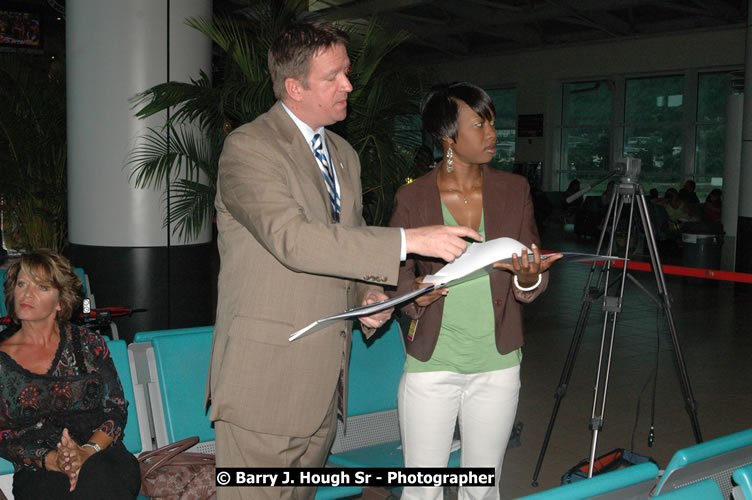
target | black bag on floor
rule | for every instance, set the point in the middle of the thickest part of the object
(618, 458)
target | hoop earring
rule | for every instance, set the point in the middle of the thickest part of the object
(450, 160)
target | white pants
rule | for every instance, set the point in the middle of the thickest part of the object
(429, 404)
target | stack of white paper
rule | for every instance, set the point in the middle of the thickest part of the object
(477, 261)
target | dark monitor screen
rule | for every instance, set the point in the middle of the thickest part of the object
(20, 28)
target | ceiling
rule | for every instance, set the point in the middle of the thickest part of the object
(459, 28)
(445, 29)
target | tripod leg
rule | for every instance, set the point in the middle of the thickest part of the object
(591, 294)
(690, 403)
(561, 391)
(612, 307)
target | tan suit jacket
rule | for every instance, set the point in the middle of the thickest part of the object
(507, 211)
(284, 264)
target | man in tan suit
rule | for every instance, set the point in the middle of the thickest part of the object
(294, 248)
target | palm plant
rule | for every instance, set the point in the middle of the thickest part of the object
(33, 191)
(202, 112)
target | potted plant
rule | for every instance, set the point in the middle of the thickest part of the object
(186, 149)
(33, 191)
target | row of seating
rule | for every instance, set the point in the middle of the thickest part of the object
(177, 362)
(164, 376)
(170, 369)
(716, 469)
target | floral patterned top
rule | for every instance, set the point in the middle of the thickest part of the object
(35, 408)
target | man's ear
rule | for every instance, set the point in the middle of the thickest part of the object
(294, 89)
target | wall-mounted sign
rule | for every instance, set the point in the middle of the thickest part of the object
(530, 125)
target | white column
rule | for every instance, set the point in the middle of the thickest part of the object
(744, 227)
(731, 173)
(116, 49)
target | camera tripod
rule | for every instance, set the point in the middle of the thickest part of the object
(626, 194)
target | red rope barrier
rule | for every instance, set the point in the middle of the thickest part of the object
(692, 272)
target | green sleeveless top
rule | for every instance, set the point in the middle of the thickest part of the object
(466, 343)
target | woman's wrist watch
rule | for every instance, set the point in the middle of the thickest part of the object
(94, 446)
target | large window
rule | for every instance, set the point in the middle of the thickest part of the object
(651, 118)
(712, 92)
(653, 113)
(505, 103)
(586, 128)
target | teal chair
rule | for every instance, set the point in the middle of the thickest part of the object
(181, 363)
(3, 309)
(132, 432)
(147, 384)
(334, 492)
(6, 478)
(706, 489)
(715, 459)
(633, 482)
(148, 335)
(743, 479)
(372, 438)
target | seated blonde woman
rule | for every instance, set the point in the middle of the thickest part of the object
(63, 410)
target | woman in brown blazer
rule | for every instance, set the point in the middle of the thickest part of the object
(464, 343)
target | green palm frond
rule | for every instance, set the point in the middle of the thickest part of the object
(190, 207)
(235, 42)
(190, 100)
(384, 87)
(172, 152)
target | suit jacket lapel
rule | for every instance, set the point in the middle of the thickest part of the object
(495, 212)
(302, 159)
(431, 211)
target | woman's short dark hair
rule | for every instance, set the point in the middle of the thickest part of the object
(439, 108)
(45, 267)
(291, 52)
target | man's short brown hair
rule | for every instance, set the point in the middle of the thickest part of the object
(291, 52)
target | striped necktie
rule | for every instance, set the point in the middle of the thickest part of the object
(328, 173)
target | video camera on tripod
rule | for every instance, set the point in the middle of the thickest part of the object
(627, 169)
(601, 288)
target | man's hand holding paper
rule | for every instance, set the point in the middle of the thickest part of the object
(445, 242)
(376, 319)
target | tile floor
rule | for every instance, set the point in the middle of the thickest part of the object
(713, 327)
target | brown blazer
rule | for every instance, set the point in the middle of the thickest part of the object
(507, 211)
(284, 264)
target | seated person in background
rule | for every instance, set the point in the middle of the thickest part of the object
(677, 209)
(653, 194)
(712, 206)
(687, 192)
(573, 187)
(63, 412)
(607, 194)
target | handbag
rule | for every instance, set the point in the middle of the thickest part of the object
(171, 473)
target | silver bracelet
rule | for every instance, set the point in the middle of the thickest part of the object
(530, 288)
(95, 446)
